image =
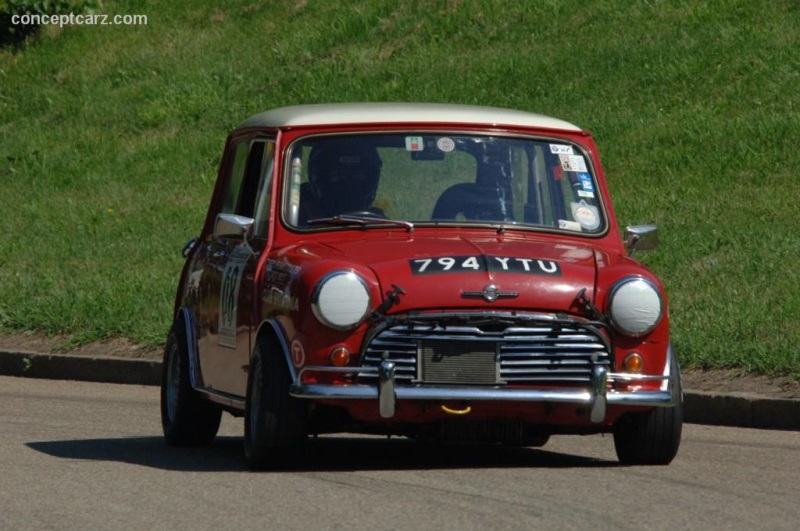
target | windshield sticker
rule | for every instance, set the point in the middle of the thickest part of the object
(558, 173)
(494, 264)
(572, 162)
(560, 149)
(414, 143)
(586, 182)
(588, 195)
(586, 215)
(445, 144)
(569, 225)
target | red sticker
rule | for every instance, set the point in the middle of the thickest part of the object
(298, 354)
(558, 173)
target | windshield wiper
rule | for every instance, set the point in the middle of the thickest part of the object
(363, 221)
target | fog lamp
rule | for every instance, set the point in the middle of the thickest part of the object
(340, 357)
(634, 363)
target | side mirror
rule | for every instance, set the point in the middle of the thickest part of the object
(640, 238)
(188, 247)
(233, 226)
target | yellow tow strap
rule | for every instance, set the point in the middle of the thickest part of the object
(456, 411)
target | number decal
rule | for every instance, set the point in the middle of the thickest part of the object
(447, 262)
(227, 299)
(425, 263)
(494, 264)
(229, 295)
(471, 263)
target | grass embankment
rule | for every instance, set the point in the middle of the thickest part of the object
(111, 137)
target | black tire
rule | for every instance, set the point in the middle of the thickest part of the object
(274, 421)
(651, 438)
(186, 418)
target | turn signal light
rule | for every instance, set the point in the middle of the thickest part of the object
(340, 357)
(634, 363)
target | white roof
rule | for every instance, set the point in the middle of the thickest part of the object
(360, 113)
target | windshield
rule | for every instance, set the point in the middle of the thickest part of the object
(426, 178)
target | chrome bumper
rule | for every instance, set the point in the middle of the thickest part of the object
(388, 393)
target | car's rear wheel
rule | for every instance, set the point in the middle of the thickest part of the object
(186, 418)
(274, 422)
(651, 438)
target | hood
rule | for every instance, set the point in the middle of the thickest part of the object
(456, 272)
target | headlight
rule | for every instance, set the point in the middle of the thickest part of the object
(634, 306)
(340, 300)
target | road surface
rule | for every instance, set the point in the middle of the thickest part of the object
(78, 455)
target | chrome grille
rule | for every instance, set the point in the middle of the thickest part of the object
(489, 354)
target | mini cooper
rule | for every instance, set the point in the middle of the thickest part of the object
(447, 273)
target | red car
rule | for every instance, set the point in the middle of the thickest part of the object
(441, 272)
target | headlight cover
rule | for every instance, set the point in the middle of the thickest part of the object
(341, 300)
(634, 306)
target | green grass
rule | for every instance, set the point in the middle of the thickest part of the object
(111, 137)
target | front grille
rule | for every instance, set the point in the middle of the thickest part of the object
(558, 352)
(460, 361)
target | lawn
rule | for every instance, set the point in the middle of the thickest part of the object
(110, 138)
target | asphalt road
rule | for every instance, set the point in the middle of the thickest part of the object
(77, 455)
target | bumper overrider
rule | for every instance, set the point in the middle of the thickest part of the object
(596, 397)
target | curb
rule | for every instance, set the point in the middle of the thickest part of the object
(742, 410)
(83, 368)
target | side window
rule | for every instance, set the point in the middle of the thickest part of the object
(247, 164)
(233, 184)
(264, 197)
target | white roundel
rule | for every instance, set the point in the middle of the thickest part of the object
(635, 306)
(341, 300)
(586, 215)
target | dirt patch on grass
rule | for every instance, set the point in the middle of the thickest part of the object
(718, 381)
(730, 381)
(115, 348)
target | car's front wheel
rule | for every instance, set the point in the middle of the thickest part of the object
(651, 438)
(274, 422)
(187, 419)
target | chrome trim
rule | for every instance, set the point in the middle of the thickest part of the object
(527, 351)
(233, 226)
(195, 377)
(640, 238)
(615, 287)
(318, 288)
(281, 336)
(672, 359)
(599, 388)
(188, 247)
(231, 401)
(386, 389)
(490, 293)
(625, 377)
(388, 393)
(537, 135)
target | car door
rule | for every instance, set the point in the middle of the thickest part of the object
(229, 257)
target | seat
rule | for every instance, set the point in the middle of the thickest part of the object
(473, 202)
